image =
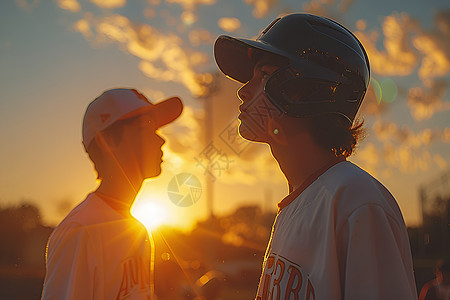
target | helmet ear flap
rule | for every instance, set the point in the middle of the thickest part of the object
(300, 96)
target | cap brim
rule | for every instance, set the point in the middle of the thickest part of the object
(164, 112)
(234, 59)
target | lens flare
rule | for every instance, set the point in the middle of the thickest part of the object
(386, 89)
(390, 90)
(151, 214)
(376, 89)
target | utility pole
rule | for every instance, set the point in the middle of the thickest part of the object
(208, 139)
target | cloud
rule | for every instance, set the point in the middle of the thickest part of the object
(425, 102)
(188, 16)
(369, 156)
(229, 24)
(391, 132)
(71, 5)
(440, 162)
(435, 61)
(316, 8)
(109, 4)
(403, 149)
(407, 45)
(261, 7)
(327, 8)
(84, 28)
(27, 5)
(164, 56)
(398, 57)
(410, 49)
(149, 13)
(344, 6)
(403, 157)
(434, 45)
(198, 37)
(406, 159)
(361, 25)
(154, 95)
(191, 4)
(187, 132)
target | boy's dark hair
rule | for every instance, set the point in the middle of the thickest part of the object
(335, 133)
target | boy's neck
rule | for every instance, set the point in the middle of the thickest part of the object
(121, 194)
(300, 160)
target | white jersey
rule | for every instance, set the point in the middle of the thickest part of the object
(343, 237)
(97, 253)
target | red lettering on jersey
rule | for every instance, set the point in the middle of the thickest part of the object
(310, 292)
(283, 279)
(265, 279)
(134, 277)
(133, 269)
(294, 276)
(276, 281)
(124, 284)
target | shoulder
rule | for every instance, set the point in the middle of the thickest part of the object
(74, 226)
(352, 188)
(90, 211)
(344, 187)
(349, 175)
(66, 240)
(349, 180)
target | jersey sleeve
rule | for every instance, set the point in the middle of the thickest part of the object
(71, 265)
(373, 263)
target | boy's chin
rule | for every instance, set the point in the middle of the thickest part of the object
(251, 135)
(153, 173)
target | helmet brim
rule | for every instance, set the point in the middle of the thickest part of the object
(234, 58)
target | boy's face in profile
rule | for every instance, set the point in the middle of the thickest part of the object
(139, 152)
(258, 116)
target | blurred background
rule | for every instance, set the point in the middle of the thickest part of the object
(211, 228)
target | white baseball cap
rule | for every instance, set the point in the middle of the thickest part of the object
(122, 103)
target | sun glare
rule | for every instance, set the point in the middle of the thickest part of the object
(151, 214)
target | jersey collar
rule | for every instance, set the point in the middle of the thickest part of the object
(294, 194)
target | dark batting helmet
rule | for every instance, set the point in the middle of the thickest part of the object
(327, 69)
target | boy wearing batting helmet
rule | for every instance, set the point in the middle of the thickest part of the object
(339, 234)
(99, 251)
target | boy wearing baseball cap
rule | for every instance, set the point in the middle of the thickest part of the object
(99, 251)
(339, 234)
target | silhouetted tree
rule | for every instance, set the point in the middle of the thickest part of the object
(22, 252)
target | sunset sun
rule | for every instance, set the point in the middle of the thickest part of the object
(151, 214)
